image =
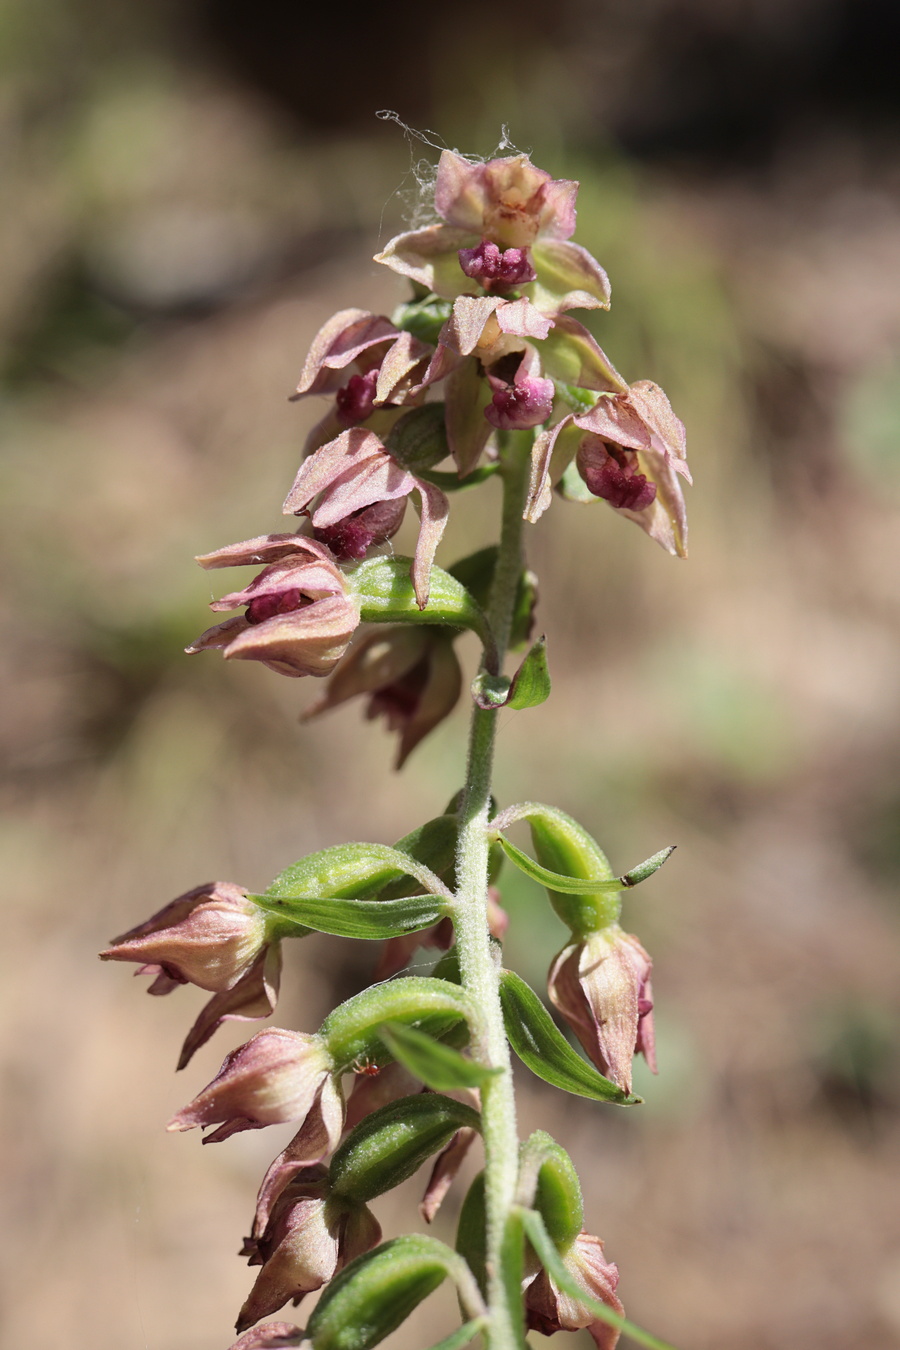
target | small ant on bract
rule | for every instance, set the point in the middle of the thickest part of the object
(366, 1067)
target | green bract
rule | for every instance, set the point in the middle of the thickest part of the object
(439, 1066)
(531, 682)
(537, 1041)
(393, 1142)
(351, 1032)
(371, 919)
(375, 1294)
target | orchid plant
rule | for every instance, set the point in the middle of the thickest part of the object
(485, 368)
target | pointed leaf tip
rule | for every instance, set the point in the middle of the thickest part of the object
(439, 1066)
(531, 682)
(648, 867)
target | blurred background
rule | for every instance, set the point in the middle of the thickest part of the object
(191, 188)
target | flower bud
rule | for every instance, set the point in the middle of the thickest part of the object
(276, 1076)
(601, 985)
(549, 1309)
(309, 1237)
(209, 936)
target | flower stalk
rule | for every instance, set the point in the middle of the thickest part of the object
(485, 373)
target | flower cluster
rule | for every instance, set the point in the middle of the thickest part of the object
(484, 371)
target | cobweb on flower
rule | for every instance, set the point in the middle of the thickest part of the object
(418, 199)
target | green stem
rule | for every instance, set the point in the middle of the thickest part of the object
(479, 962)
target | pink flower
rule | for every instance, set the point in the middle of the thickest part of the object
(298, 614)
(269, 1336)
(549, 1310)
(601, 985)
(309, 1237)
(525, 401)
(362, 494)
(217, 939)
(505, 223)
(209, 937)
(629, 449)
(410, 676)
(275, 1077)
(354, 346)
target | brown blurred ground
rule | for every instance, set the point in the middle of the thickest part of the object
(190, 191)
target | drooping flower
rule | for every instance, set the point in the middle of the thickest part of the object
(361, 494)
(298, 613)
(275, 1077)
(270, 1336)
(549, 1309)
(213, 937)
(629, 450)
(310, 1236)
(505, 224)
(209, 937)
(524, 401)
(409, 675)
(601, 985)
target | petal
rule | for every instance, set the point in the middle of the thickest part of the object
(523, 319)
(468, 430)
(396, 373)
(558, 213)
(654, 408)
(269, 1336)
(380, 480)
(443, 1174)
(335, 462)
(614, 419)
(430, 256)
(437, 701)
(308, 641)
(572, 355)
(266, 548)
(220, 635)
(304, 1259)
(377, 660)
(434, 511)
(460, 193)
(315, 1139)
(552, 451)
(344, 338)
(251, 998)
(313, 579)
(665, 519)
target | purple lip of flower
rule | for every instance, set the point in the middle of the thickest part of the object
(281, 602)
(526, 403)
(356, 400)
(487, 264)
(398, 701)
(618, 482)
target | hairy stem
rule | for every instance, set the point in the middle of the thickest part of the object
(479, 961)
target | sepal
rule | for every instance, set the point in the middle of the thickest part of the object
(375, 1294)
(541, 1046)
(392, 1143)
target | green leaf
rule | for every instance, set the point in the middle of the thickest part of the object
(351, 1032)
(564, 846)
(392, 1143)
(558, 881)
(457, 1339)
(565, 1281)
(531, 682)
(648, 867)
(542, 1047)
(439, 1066)
(418, 440)
(370, 919)
(471, 1232)
(375, 1294)
(386, 595)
